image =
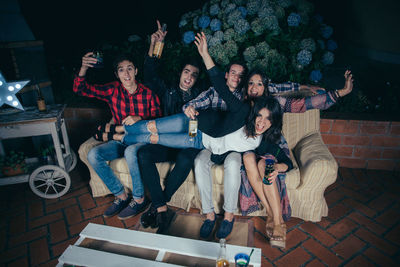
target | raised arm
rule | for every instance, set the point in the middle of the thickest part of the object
(151, 65)
(159, 35)
(217, 78)
(275, 88)
(81, 86)
(87, 62)
(202, 47)
(323, 101)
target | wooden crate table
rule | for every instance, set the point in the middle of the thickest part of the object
(101, 245)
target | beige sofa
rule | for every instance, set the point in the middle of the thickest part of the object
(314, 170)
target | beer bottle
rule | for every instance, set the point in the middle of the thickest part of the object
(40, 100)
(158, 47)
(221, 260)
(193, 128)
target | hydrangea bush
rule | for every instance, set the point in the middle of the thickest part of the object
(283, 37)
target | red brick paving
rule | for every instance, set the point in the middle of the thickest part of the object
(362, 228)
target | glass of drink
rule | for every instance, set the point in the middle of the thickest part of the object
(99, 56)
(241, 260)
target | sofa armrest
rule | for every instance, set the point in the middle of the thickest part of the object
(86, 147)
(318, 168)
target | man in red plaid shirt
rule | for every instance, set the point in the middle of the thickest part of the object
(129, 102)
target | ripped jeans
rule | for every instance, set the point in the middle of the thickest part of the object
(172, 132)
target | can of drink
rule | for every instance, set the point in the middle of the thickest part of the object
(269, 168)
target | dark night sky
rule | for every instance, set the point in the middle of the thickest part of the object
(76, 25)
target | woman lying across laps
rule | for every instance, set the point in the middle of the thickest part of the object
(172, 131)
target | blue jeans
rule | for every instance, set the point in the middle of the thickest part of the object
(98, 157)
(172, 132)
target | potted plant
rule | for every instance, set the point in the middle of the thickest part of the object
(13, 163)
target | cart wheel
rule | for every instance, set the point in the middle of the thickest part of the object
(49, 181)
(73, 161)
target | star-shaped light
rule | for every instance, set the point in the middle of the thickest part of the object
(8, 91)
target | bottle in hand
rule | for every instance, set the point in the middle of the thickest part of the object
(193, 128)
(221, 260)
(269, 168)
(158, 47)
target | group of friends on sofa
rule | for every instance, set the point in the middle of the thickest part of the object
(239, 126)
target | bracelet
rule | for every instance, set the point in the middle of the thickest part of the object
(337, 93)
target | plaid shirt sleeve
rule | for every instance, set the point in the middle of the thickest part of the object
(202, 101)
(301, 105)
(101, 92)
(155, 107)
(274, 88)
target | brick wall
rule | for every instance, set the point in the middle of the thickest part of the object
(354, 143)
(363, 144)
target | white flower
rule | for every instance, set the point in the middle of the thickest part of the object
(229, 34)
(328, 58)
(219, 35)
(213, 41)
(231, 48)
(229, 8)
(224, 3)
(262, 49)
(214, 10)
(253, 6)
(239, 2)
(279, 12)
(233, 17)
(308, 44)
(241, 26)
(250, 54)
(284, 3)
(265, 11)
(271, 23)
(257, 26)
(182, 23)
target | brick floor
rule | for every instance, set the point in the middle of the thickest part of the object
(362, 228)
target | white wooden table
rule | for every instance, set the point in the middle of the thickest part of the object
(161, 246)
(31, 122)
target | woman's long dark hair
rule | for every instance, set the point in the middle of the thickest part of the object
(264, 80)
(273, 134)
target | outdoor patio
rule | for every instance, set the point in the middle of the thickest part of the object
(362, 229)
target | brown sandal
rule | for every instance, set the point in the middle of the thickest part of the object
(278, 238)
(269, 227)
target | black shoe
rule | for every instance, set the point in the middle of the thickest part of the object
(149, 217)
(225, 229)
(164, 220)
(207, 228)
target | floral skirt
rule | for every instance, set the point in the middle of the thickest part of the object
(249, 202)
